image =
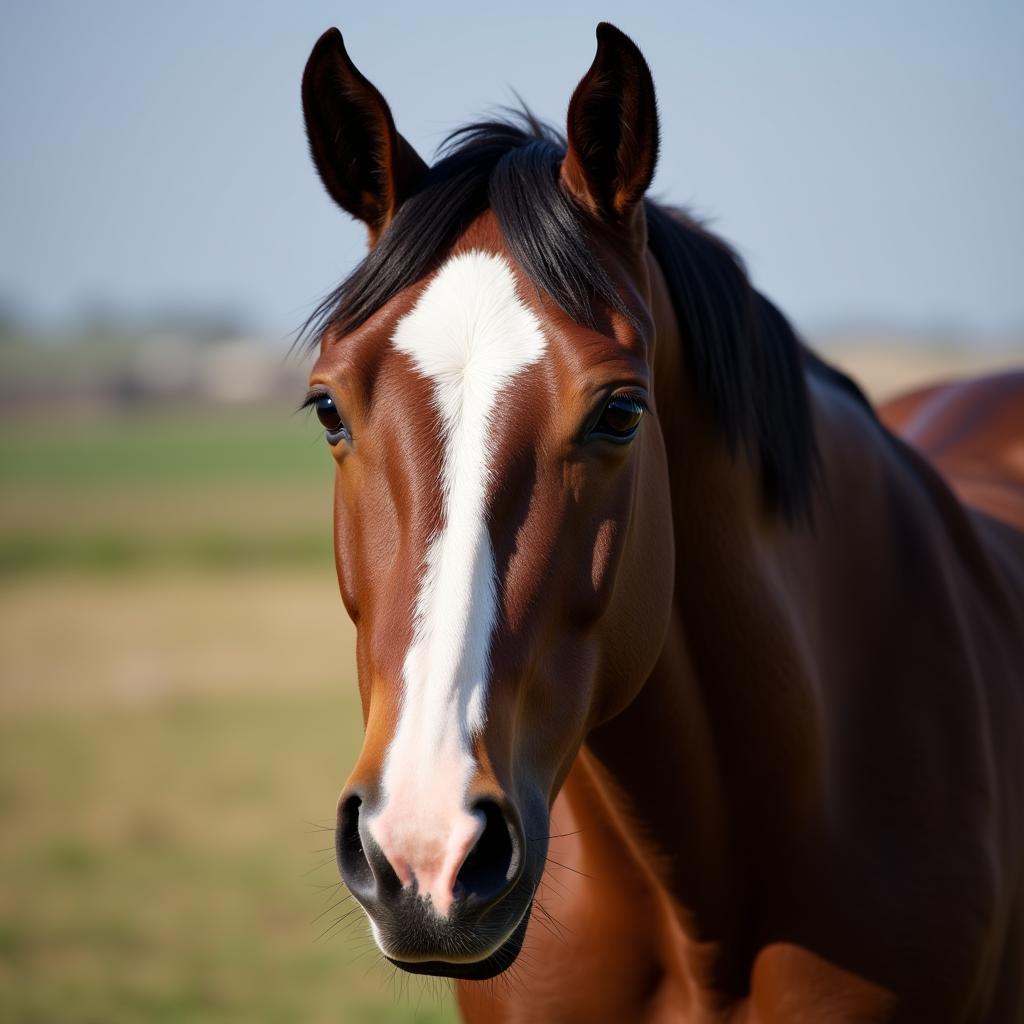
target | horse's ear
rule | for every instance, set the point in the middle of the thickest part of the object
(613, 129)
(367, 167)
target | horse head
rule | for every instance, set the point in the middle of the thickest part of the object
(503, 532)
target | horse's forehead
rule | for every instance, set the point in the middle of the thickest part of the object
(475, 327)
(453, 381)
(473, 331)
(369, 354)
(470, 330)
(368, 350)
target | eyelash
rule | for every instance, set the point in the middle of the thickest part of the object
(633, 396)
(311, 399)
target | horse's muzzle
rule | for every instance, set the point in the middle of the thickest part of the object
(478, 930)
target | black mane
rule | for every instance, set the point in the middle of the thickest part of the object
(745, 360)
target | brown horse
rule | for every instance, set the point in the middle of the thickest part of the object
(641, 582)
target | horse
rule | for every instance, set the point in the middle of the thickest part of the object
(692, 690)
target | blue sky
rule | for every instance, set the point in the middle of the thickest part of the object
(866, 159)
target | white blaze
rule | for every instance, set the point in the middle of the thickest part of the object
(469, 334)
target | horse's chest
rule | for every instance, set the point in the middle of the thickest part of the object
(601, 946)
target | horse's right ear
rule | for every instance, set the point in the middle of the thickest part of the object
(367, 167)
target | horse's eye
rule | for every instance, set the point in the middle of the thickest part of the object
(327, 413)
(619, 418)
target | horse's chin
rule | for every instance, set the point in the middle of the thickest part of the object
(475, 970)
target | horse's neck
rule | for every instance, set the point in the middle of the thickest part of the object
(724, 755)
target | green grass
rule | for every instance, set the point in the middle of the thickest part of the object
(247, 442)
(237, 487)
(119, 552)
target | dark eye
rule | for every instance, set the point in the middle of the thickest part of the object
(619, 418)
(327, 413)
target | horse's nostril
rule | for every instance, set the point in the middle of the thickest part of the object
(493, 862)
(352, 859)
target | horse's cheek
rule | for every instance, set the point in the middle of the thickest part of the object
(632, 630)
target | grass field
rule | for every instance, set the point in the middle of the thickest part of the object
(177, 716)
(244, 487)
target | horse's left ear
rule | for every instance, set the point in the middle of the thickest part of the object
(367, 167)
(613, 129)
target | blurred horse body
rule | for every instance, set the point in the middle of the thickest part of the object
(973, 431)
(641, 582)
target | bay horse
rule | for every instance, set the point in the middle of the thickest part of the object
(692, 692)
